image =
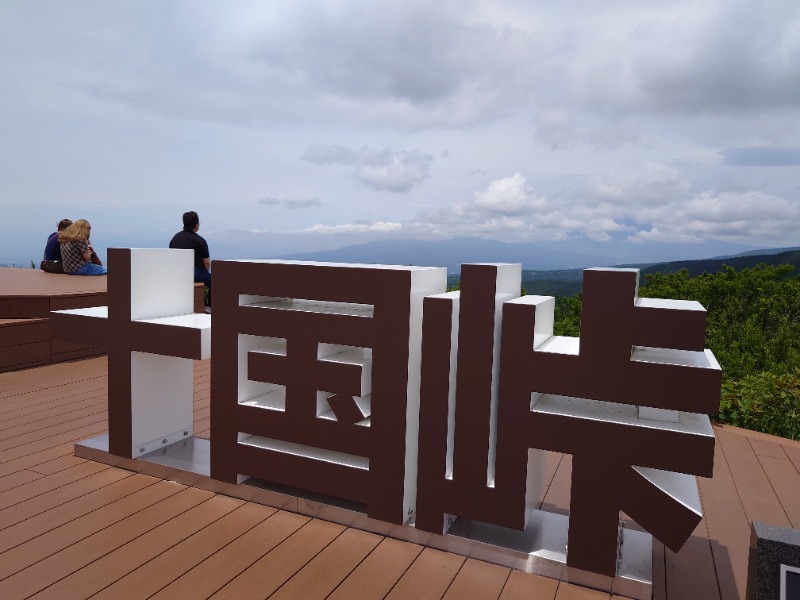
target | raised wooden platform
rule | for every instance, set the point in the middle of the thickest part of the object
(26, 298)
(71, 528)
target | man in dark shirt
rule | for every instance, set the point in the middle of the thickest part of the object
(188, 239)
(52, 250)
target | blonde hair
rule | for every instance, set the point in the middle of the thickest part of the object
(77, 232)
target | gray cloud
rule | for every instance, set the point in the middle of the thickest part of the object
(761, 157)
(383, 170)
(647, 202)
(291, 203)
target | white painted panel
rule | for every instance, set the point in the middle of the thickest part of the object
(162, 400)
(162, 282)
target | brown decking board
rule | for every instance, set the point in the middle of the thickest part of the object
(70, 528)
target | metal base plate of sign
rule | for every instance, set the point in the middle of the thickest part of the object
(540, 549)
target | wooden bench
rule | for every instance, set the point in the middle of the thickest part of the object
(26, 298)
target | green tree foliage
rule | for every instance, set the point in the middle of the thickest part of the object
(754, 331)
(753, 315)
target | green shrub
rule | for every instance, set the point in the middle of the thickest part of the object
(753, 328)
(763, 402)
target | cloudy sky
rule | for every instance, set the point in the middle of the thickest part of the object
(305, 125)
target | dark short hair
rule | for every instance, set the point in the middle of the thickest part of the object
(190, 219)
(63, 224)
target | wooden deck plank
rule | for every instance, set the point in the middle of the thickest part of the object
(58, 565)
(57, 464)
(478, 580)
(317, 579)
(114, 565)
(766, 448)
(35, 517)
(697, 558)
(16, 479)
(36, 458)
(39, 428)
(165, 568)
(378, 572)
(38, 419)
(269, 573)
(428, 577)
(48, 483)
(524, 586)
(34, 397)
(29, 553)
(67, 436)
(758, 498)
(567, 591)
(785, 481)
(32, 401)
(793, 454)
(659, 571)
(557, 498)
(203, 580)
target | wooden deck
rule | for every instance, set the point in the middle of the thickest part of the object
(26, 298)
(71, 528)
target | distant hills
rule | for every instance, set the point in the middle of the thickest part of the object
(568, 282)
(543, 255)
(554, 268)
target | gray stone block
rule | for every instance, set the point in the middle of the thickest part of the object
(771, 547)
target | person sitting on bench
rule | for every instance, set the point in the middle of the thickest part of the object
(51, 263)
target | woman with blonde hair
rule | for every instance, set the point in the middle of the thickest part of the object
(77, 254)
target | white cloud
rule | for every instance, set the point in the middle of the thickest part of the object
(383, 170)
(291, 203)
(745, 217)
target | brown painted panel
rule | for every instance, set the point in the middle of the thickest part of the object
(378, 572)
(78, 301)
(199, 297)
(428, 577)
(24, 331)
(215, 572)
(24, 307)
(295, 471)
(59, 347)
(24, 355)
(326, 571)
(275, 568)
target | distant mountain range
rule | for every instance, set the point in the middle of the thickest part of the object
(555, 268)
(545, 255)
(568, 282)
